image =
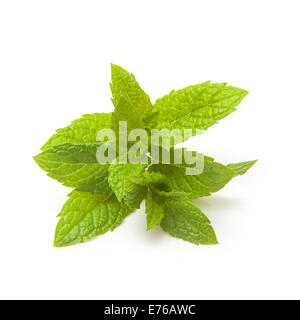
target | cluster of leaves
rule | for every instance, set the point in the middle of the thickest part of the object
(104, 195)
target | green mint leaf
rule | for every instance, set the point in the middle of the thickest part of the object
(84, 217)
(89, 195)
(74, 165)
(241, 167)
(130, 101)
(124, 113)
(84, 129)
(154, 210)
(214, 177)
(150, 120)
(148, 178)
(136, 187)
(135, 195)
(97, 186)
(198, 106)
(170, 193)
(119, 178)
(184, 220)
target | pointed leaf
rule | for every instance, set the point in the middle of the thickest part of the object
(214, 177)
(241, 167)
(184, 220)
(75, 165)
(84, 129)
(198, 106)
(154, 210)
(84, 217)
(130, 101)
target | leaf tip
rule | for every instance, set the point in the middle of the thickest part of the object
(149, 227)
(245, 92)
(55, 244)
(36, 158)
(114, 67)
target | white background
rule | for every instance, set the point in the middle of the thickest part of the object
(54, 67)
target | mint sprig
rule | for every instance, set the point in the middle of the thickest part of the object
(105, 194)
